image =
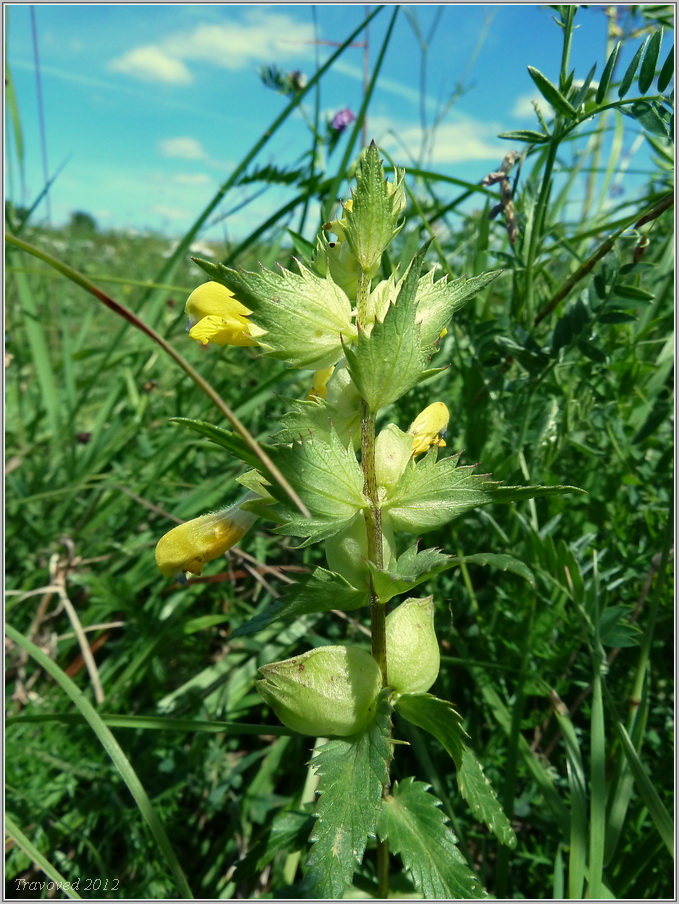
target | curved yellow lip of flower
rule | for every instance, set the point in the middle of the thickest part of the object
(215, 315)
(222, 331)
(428, 426)
(319, 383)
(189, 546)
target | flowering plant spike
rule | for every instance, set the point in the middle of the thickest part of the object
(364, 343)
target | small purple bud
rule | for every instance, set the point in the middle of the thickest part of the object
(342, 119)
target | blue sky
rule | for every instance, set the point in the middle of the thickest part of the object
(149, 107)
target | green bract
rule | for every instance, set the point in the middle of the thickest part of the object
(327, 691)
(413, 657)
(306, 317)
(372, 221)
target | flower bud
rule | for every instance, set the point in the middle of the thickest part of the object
(327, 691)
(429, 427)
(189, 546)
(215, 315)
(413, 657)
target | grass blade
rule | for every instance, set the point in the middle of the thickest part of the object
(578, 787)
(132, 318)
(113, 749)
(36, 856)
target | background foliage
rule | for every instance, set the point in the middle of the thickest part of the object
(560, 371)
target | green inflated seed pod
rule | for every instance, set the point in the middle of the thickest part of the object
(347, 551)
(329, 691)
(413, 657)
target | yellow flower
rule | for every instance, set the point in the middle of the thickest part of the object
(216, 316)
(189, 546)
(428, 427)
(319, 383)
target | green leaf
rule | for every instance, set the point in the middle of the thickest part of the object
(551, 93)
(306, 317)
(328, 479)
(605, 80)
(286, 832)
(413, 568)
(319, 592)
(628, 77)
(525, 135)
(581, 93)
(482, 799)
(647, 73)
(440, 719)
(352, 773)
(615, 629)
(416, 829)
(431, 493)
(667, 71)
(652, 116)
(224, 438)
(389, 361)
(437, 301)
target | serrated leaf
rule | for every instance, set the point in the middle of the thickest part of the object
(647, 73)
(328, 479)
(605, 80)
(316, 416)
(413, 568)
(482, 799)
(352, 773)
(431, 493)
(321, 591)
(528, 135)
(416, 829)
(667, 71)
(628, 77)
(388, 362)
(224, 438)
(440, 719)
(551, 93)
(286, 832)
(437, 301)
(305, 316)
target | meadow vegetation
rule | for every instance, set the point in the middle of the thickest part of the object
(137, 747)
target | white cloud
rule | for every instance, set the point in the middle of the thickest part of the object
(454, 142)
(191, 178)
(152, 64)
(170, 213)
(261, 36)
(184, 148)
(523, 107)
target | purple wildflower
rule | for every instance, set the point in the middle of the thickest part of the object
(342, 119)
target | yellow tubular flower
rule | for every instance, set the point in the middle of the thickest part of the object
(319, 383)
(428, 426)
(189, 546)
(216, 316)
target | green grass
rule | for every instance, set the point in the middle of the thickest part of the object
(565, 685)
